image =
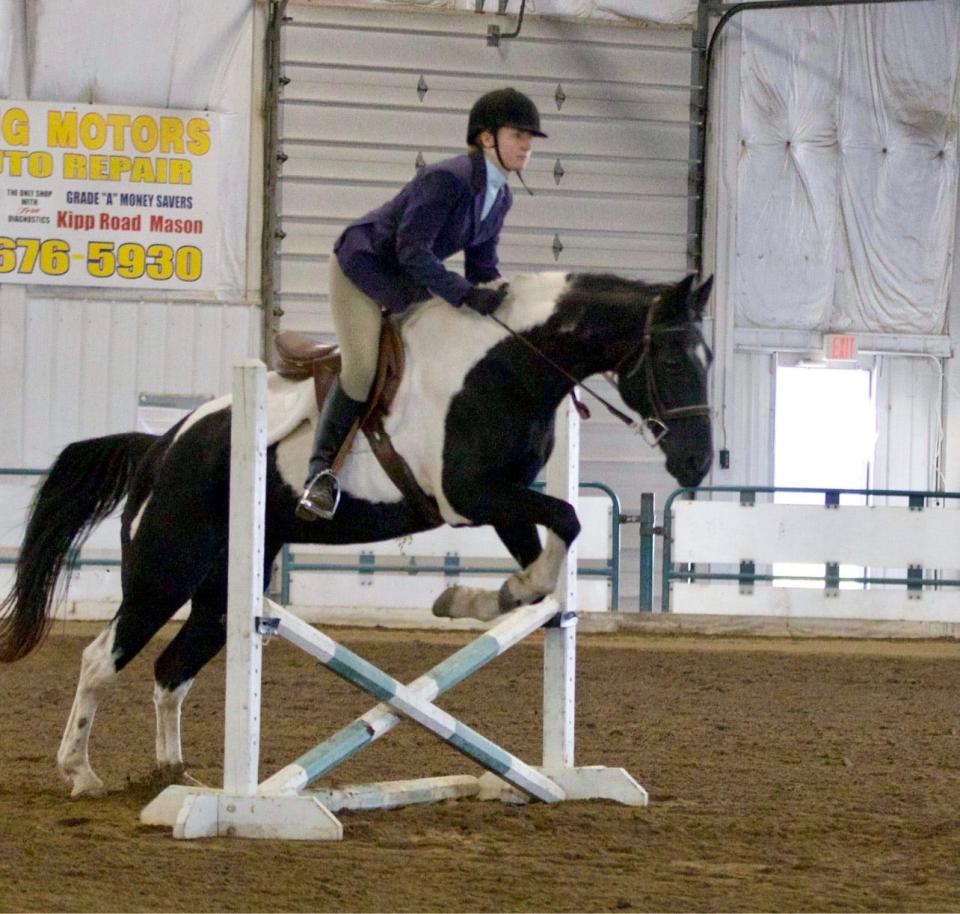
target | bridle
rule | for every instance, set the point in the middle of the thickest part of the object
(661, 412)
(655, 423)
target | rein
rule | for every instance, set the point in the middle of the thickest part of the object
(660, 411)
(622, 416)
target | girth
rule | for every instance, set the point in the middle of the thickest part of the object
(300, 357)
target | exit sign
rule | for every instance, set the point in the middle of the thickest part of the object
(840, 347)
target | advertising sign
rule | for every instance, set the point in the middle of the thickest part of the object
(94, 195)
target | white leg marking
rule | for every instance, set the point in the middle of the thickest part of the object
(97, 668)
(538, 579)
(467, 603)
(168, 703)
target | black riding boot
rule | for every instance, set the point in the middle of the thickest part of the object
(322, 493)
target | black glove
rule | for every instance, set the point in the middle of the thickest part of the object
(485, 301)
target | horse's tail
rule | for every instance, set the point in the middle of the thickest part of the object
(85, 484)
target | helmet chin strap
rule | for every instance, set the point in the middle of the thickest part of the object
(519, 173)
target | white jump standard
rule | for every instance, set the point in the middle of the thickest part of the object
(282, 806)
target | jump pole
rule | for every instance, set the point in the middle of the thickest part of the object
(280, 807)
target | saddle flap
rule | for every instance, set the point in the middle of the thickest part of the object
(299, 356)
(389, 372)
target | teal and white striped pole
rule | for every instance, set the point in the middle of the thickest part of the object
(407, 701)
(326, 756)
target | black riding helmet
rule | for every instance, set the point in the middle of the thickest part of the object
(503, 108)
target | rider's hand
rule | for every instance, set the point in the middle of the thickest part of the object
(485, 301)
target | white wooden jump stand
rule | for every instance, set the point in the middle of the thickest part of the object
(282, 806)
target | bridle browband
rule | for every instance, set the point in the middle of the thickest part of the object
(644, 361)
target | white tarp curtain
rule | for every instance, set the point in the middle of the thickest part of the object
(153, 53)
(847, 173)
(661, 12)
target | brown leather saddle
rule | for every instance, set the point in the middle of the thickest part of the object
(300, 357)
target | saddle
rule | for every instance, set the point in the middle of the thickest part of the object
(300, 357)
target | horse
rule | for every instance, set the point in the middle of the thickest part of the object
(474, 419)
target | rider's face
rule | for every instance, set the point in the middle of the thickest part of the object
(515, 147)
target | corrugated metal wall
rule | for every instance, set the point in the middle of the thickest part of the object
(75, 367)
(369, 93)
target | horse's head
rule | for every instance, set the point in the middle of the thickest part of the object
(665, 379)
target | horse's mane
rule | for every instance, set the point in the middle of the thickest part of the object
(610, 284)
(539, 293)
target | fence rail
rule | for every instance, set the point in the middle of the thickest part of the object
(451, 564)
(919, 537)
(366, 564)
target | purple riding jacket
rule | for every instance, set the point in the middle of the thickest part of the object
(395, 253)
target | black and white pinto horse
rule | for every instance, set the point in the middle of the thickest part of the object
(474, 419)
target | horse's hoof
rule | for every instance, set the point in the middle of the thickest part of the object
(467, 603)
(87, 785)
(506, 599)
(443, 606)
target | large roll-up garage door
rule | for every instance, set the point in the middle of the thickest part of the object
(368, 95)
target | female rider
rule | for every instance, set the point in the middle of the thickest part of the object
(392, 257)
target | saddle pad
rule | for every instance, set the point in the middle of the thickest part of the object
(288, 404)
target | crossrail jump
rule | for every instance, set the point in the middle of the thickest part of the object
(281, 806)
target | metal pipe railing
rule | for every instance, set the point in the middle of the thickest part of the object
(73, 559)
(289, 565)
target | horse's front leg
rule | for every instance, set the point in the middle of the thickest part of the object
(535, 580)
(515, 514)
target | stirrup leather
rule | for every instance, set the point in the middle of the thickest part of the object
(308, 509)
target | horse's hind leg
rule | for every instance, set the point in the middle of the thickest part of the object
(101, 661)
(97, 668)
(157, 581)
(198, 641)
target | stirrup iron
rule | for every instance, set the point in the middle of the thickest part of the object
(308, 509)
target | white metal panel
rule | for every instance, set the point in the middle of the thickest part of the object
(328, 163)
(13, 357)
(77, 366)
(728, 533)
(750, 420)
(332, 84)
(909, 429)
(352, 126)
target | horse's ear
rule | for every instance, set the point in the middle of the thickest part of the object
(701, 296)
(684, 286)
